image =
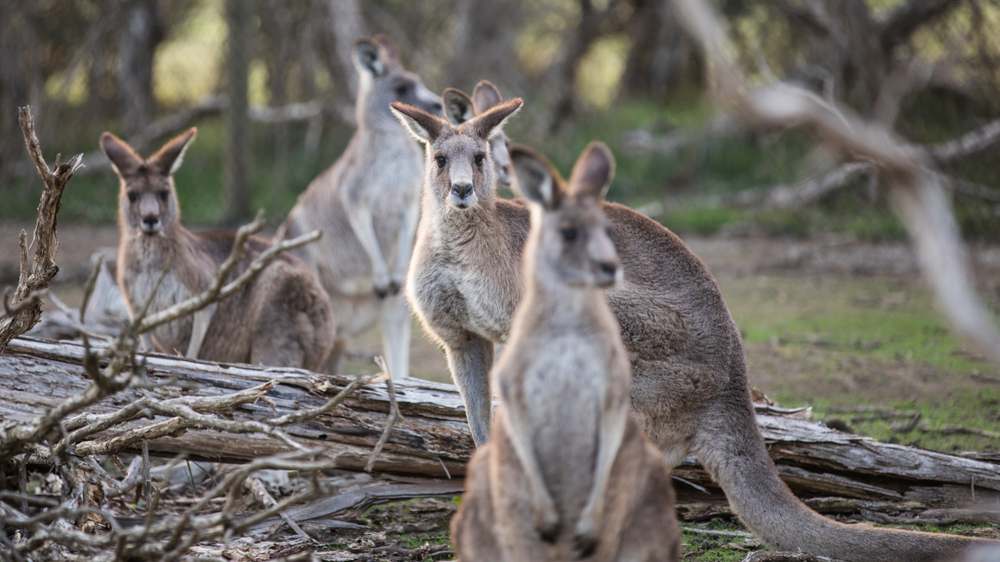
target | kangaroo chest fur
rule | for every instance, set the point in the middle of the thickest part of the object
(455, 290)
(143, 261)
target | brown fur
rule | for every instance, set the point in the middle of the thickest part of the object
(567, 473)
(282, 318)
(367, 204)
(690, 391)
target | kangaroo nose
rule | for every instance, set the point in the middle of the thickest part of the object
(462, 190)
(609, 268)
(436, 108)
(151, 222)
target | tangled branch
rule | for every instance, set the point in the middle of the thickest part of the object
(25, 310)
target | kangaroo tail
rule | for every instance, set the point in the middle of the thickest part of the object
(733, 452)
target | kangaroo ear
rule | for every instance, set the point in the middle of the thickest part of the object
(458, 106)
(368, 57)
(485, 95)
(390, 51)
(490, 124)
(537, 179)
(422, 125)
(168, 159)
(123, 159)
(592, 172)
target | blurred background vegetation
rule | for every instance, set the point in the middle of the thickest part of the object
(621, 71)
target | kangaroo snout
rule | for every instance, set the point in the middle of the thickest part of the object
(461, 194)
(150, 224)
(608, 273)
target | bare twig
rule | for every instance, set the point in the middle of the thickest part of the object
(394, 414)
(43, 268)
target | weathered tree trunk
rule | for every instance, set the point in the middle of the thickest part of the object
(141, 33)
(347, 26)
(662, 61)
(433, 437)
(237, 147)
(484, 44)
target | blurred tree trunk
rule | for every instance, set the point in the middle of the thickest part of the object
(850, 52)
(237, 120)
(279, 30)
(483, 45)
(594, 24)
(347, 26)
(661, 60)
(12, 90)
(141, 34)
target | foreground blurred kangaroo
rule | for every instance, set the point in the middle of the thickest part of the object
(283, 318)
(689, 392)
(568, 473)
(367, 204)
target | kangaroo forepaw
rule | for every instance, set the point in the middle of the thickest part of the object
(584, 539)
(547, 524)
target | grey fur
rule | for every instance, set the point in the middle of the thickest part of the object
(283, 318)
(690, 391)
(367, 204)
(567, 474)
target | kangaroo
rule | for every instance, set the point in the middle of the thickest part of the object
(459, 108)
(367, 204)
(596, 488)
(689, 391)
(283, 318)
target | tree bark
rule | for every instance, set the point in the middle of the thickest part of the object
(141, 33)
(661, 61)
(484, 44)
(433, 438)
(237, 148)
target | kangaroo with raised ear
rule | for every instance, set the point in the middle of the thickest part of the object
(282, 318)
(689, 391)
(567, 473)
(367, 205)
(459, 108)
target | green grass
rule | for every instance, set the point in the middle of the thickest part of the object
(834, 343)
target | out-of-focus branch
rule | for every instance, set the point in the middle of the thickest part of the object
(899, 24)
(811, 14)
(217, 291)
(918, 196)
(26, 308)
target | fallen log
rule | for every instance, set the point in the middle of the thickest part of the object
(840, 471)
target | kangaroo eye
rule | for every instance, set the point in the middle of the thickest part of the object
(569, 234)
(164, 195)
(440, 161)
(133, 197)
(479, 159)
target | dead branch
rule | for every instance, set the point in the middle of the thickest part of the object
(394, 415)
(918, 197)
(217, 291)
(899, 24)
(25, 309)
(256, 487)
